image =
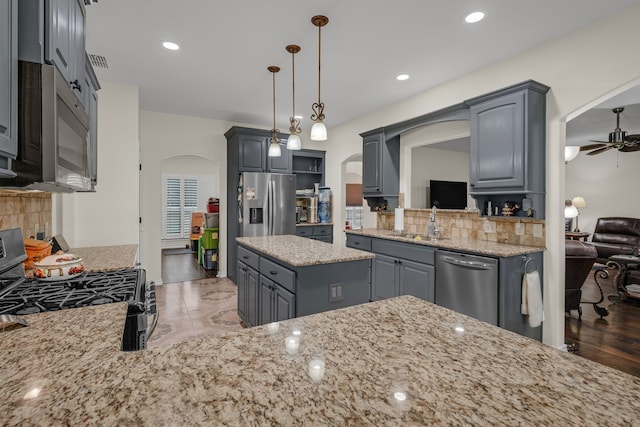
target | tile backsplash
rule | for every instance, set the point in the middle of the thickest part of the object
(30, 211)
(468, 224)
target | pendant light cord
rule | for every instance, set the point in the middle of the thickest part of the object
(319, 46)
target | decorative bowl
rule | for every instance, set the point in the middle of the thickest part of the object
(58, 267)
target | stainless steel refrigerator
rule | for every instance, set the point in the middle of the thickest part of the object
(267, 204)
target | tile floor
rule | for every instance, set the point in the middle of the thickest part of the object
(194, 309)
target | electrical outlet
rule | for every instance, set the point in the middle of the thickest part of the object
(537, 230)
(519, 228)
(335, 292)
(489, 227)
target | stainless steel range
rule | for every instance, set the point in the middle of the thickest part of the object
(22, 296)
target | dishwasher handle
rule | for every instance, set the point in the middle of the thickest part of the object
(468, 264)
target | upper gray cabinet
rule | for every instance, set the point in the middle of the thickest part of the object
(92, 87)
(282, 163)
(8, 85)
(507, 151)
(65, 46)
(380, 169)
(53, 32)
(249, 149)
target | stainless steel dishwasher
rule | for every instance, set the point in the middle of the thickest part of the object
(468, 284)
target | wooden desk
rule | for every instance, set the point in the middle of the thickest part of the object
(576, 235)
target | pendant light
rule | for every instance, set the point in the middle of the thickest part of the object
(293, 142)
(318, 130)
(274, 147)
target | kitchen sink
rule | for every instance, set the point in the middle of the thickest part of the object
(419, 236)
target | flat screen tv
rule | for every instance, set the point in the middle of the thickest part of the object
(447, 194)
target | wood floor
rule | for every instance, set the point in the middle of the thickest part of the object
(613, 340)
(193, 304)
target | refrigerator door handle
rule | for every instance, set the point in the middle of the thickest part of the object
(270, 205)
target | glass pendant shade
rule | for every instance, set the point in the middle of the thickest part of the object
(274, 149)
(294, 143)
(319, 132)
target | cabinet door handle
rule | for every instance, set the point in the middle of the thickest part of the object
(245, 257)
(274, 273)
(75, 85)
(356, 243)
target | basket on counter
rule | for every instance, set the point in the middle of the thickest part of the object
(36, 250)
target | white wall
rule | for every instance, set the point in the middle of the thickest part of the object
(110, 215)
(605, 182)
(431, 163)
(164, 136)
(577, 67)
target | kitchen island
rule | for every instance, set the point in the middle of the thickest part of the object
(401, 361)
(281, 277)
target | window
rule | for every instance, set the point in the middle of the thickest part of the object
(183, 195)
(354, 216)
(353, 208)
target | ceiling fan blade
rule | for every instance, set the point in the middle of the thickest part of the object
(591, 146)
(630, 148)
(633, 138)
(601, 142)
(600, 150)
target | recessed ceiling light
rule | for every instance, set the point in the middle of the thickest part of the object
(474, 17)
(171, 45)
(402, 77)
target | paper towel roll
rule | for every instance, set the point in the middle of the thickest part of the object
(399, 219)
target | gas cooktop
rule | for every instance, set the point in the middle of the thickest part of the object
(29, 296)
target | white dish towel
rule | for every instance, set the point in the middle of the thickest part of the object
(532, 299)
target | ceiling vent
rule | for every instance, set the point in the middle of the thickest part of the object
(98, 61)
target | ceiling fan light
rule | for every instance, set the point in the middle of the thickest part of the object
(294, 142)
(274, 149)
(570, 152)
(318, 131)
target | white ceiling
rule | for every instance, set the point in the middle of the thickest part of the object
(221, 72)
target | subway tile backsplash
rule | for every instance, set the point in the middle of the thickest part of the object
(468, 224)
(30, 211)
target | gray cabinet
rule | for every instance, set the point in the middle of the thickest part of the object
(65, 42)
(276, 303)
(392, 276)
(324, 233)
(309, 167)
(248, 150)
(248, 282)
(398, 268)
(280, 164)
(252, 153)
(8, 85)
(507, 151)
(380, 169)
(92, 86)
(266, 290)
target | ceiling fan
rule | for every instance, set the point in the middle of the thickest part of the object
(617, 139)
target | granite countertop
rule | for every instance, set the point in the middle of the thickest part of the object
(309, 224)
(299, 251)
(103, 258)
(401, 361)
(466, 245)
